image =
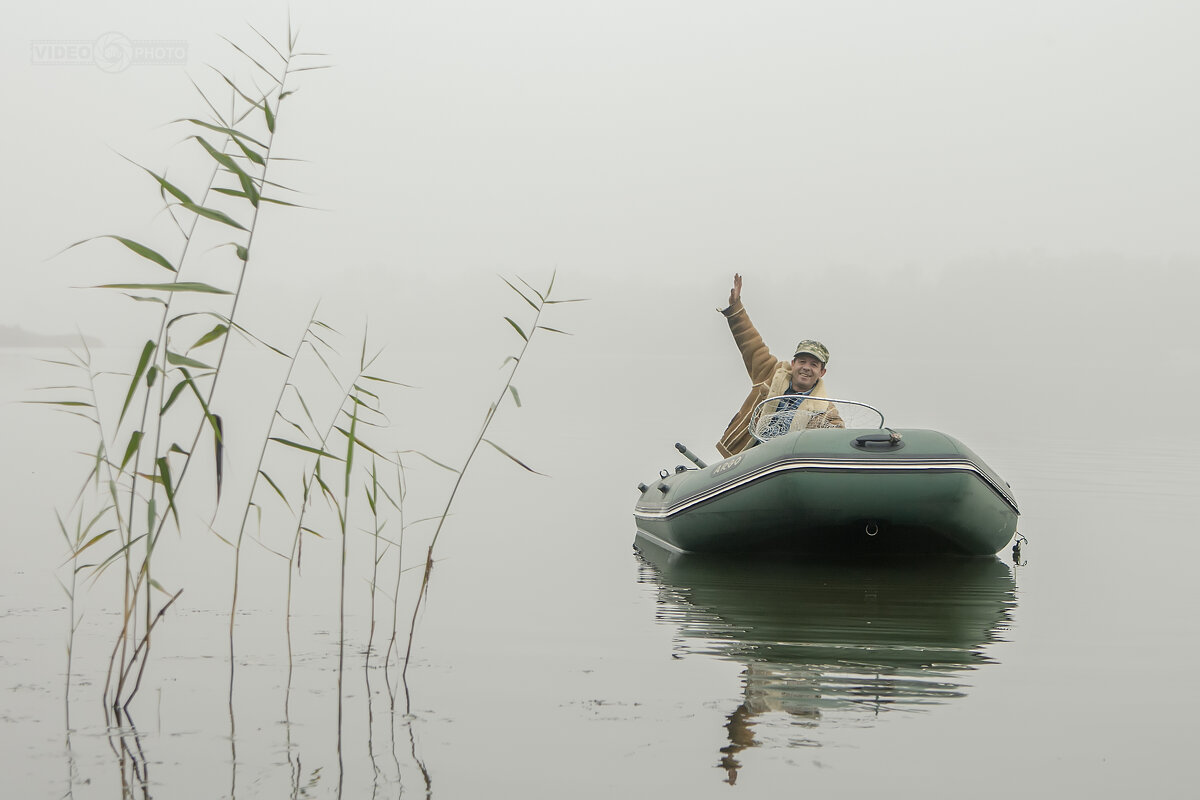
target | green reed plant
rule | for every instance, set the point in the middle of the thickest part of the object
(82, 533)
(360, 408)
(277, 416)
(371, 492)
(507, 391)
(173, 384)
(168, 422)
(398, 503)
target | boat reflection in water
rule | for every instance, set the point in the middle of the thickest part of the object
(831, 643)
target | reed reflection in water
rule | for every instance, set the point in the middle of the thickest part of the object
(830, 643)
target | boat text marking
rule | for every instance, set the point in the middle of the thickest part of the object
(728, 464)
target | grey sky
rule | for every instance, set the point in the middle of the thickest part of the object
(631, 140)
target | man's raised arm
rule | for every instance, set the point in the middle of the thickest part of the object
(760, 364)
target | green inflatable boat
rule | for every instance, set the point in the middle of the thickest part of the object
(862, 488)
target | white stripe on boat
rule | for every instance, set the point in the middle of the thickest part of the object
(841, 464)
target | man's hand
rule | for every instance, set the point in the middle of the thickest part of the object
(735, 293)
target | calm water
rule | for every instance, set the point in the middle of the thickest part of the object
(554, 660)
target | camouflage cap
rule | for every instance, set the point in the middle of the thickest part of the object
(813, 348)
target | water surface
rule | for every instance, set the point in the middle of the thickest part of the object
(555, 659)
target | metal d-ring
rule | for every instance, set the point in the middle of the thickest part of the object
(872, 527)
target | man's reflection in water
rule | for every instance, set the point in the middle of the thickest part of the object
(764, 694)
(831, 644)
(741, 736)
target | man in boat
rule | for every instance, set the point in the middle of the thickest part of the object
(802, 378)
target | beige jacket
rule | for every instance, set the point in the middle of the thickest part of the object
(769, 376)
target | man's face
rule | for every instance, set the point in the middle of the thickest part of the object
(806, 371)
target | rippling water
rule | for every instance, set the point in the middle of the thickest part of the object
(556, 660)
(831, 644)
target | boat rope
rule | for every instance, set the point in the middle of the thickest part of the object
(1016, 550)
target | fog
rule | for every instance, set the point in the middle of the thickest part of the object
(654, 147)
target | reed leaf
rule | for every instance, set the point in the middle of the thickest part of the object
(62, 527)
(81, 532)
(134, 442)
(517, 328)
(304, 447)
(216, 333)
(213, 214)
(275, 486)
(137, 247)
(251, 155)
(143, 361)
(255, 62)
(516, 397)
(254, 338)
(532, 304)
(279, 202)
(219, 450)
(233, 85)
(187, 376)
(368, 393)
(371, 490)
(151, 519)
(351, 440)
(181, 286)
(514, 459)
(183, 361)
(248, 187)
(430, 459)
(325, 490)
(176, 390)
(232, 133)
(221, 158)
(221, 318)
(118, 553)
(283, 417)
(553, 330)
(238, 193)
(349, 436)
(169, 187)
(82, 403)
(270, 44)
(98, 537)
(222, 538)
(304, 407)
(540, 296)
(88, 417)
(204, 96)
(59, 386)
(385, 380)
